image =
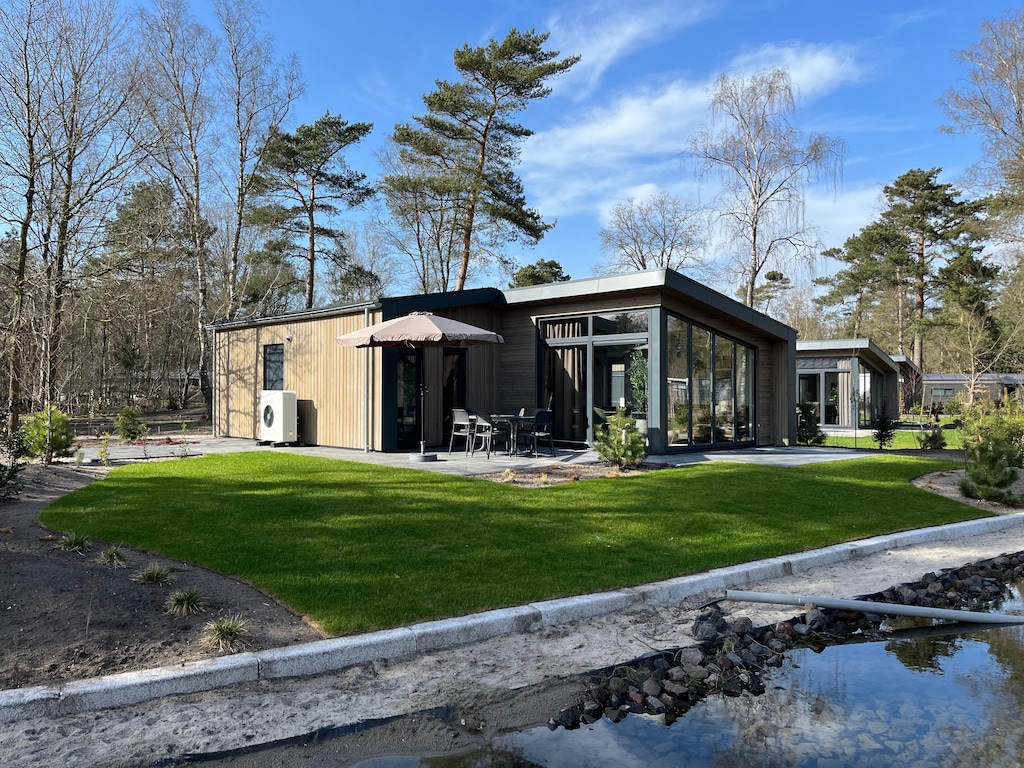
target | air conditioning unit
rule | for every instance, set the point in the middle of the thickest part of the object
(278, 416)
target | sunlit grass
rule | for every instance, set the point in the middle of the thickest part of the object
(360, 547)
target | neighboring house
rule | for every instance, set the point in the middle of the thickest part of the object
(850, 381)
(703, 370)
(941, 387)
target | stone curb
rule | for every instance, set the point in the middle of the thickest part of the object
(329, 655)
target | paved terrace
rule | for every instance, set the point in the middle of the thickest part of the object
(458, 463)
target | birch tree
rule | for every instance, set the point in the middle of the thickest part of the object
(763, 163)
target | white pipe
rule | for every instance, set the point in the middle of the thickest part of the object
(868, 606)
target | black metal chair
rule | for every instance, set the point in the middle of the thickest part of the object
(538, 429)
(462, 426)
(487, 433)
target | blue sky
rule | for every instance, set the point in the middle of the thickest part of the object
(616, 126)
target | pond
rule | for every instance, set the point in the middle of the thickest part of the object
(914, 699)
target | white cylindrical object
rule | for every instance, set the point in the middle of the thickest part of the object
(868, 606)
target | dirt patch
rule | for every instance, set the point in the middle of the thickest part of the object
(67, 617)
(560, 474)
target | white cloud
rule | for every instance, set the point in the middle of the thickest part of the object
(602, 33)
(814, 69)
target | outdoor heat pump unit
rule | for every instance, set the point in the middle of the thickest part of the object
(278, 416)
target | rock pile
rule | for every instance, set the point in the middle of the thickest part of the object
(732, 656)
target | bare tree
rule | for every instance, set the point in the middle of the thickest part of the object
(179, 57)
(660, 233)
(26, 34)
(763, 163)
(989, 102)
(260, 92)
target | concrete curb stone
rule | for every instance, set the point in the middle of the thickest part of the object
(329, 655)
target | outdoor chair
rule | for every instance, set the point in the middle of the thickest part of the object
(487, 433)
(538, 429)
(462, 426)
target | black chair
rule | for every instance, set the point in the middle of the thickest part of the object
(487, 433)
(538, 429)
(462, 426)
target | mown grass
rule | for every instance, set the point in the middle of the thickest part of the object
(903, 439)
(358, 547)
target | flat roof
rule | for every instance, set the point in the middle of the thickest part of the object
(837, 347)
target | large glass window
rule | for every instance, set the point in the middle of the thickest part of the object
(621, 322)
(566, 328)
(565, 391)
(273, 366)
(677, 369)
(725, 404)
(408, 398)
(710, 386)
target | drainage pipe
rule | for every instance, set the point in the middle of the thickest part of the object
(868, 606)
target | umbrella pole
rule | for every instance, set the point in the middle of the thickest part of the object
(423, 455)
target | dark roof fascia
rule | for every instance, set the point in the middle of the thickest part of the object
(904, 360)
(335, 310)
(398, 306)
(960, 378)
(849, 346)
(633, 282)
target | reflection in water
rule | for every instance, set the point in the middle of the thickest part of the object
(954, 700)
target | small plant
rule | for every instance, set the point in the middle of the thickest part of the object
(884, 427)
(185, 602)
(989, 471)
(48, 434)
(808, 431)
(154, 574)
(932, 440)
(183, 453)
(619, 441)
(508, 475)
(226, 633)
(129, 424)
(79, 458)
(104, 450)
(113, 557)
(74, 542)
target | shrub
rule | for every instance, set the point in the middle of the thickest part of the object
(619, 441)
(113, 557)
(989, 473)
(884, 430)
(129, 424)
(104, 450)
(226, 633)
(185, 602)
(154, 574)
(932, 440)
(808, 430)
(985, 420)
(74, 542)
(48, 433)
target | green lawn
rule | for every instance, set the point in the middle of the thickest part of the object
(904, 438)
(360, 547)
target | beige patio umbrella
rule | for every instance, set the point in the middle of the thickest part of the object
(420, 329)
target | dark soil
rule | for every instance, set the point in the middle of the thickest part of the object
(67, 617)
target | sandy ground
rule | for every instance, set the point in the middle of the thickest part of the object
(501, 684)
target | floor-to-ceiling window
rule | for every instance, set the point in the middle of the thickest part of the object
(408, 399)
(595, 364)
(709, 381)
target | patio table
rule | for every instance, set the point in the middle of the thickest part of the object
(514, 420)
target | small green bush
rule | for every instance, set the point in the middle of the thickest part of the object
(808, 430)
(619, 441)
(884, 428)
(113, 557)
(129, 424)
(185, 602)
(48, 434)
(154, 574)
(989, 472)
(226, 633)
(74, 542)
(932, 440)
